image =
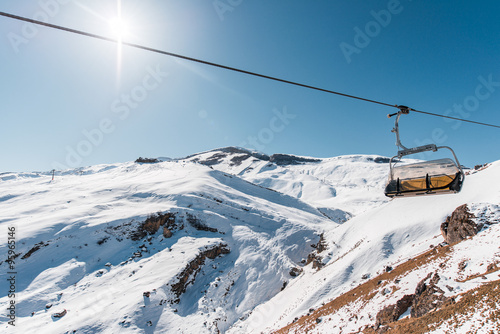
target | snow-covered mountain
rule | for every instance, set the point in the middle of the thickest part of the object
(402, 234)
(228, 240)
(348, 183)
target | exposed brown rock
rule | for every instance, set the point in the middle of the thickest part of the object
(459, 225)
(462, 265)
(294, 272)
(428, 296)
(392, 313)
(152, 224)
(34, 249)
(60, 314)
(317, 261)
(321, 245)
(286, 159)
(491, 268)
(212, 253)
(481, 167)
(188, 275)
(146, 160)
(313, 257)
(198, 224)
(166, 232)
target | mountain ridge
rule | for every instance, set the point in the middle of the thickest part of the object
(243, 248)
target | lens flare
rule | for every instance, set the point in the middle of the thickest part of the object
(119, 28)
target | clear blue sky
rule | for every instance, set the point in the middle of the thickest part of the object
(71, 101)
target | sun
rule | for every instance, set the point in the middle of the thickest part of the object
(119, 28)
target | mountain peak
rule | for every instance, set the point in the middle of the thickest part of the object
(237, 155)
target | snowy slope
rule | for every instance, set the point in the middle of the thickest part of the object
(243, 220)
(88, 265)
(385, 236)
(341, 187)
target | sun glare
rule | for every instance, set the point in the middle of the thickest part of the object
(119, 28)
(120, 31)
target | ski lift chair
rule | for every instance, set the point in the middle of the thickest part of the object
(440, 176)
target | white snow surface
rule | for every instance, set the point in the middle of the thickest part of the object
(343, 185)
(267, 214)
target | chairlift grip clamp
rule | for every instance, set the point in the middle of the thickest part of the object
(402, 110)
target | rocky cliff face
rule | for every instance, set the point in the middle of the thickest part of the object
(459, 225)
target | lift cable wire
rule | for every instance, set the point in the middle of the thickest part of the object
(187, 58)
(138, 46)
(445, 116)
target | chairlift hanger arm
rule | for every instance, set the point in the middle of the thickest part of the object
(402, 110)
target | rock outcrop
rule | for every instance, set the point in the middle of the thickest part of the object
(198, 224)
(286, 159)
(459, 225)
(295, 271)
(314, 256)
(428, 296)
(238, 155)
(188, 275)
(392, 313)
(34, 249)
(146, 160)
(153, 223)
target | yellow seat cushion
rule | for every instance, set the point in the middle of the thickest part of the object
(419, 184)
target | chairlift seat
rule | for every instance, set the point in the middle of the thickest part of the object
(424, 178)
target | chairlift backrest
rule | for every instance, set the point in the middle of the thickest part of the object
(421, 169)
